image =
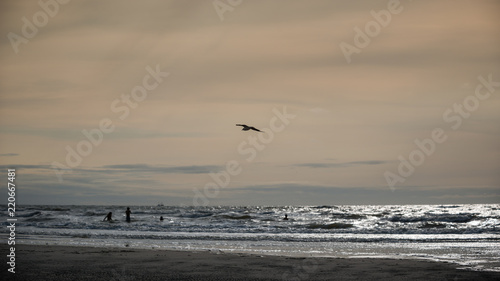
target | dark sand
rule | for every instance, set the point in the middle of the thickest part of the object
(121, 264)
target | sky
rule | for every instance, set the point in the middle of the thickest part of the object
(359, 102)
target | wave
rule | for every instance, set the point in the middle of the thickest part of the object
(432, 225)
(56, 209)
(325, 207)
(32, 214)
(196, 215)
(335, 225)
(348, 216)
(91, 213)
(456, 218)
(236, 217)
(449, 206)
(39, 219)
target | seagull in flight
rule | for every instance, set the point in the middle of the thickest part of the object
(246, 128)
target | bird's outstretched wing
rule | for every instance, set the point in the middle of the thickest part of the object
(255, 129)
(246, 127)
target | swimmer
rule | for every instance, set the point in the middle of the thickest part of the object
(127, 213)
(108, 217)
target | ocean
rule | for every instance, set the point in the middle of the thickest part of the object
(466, 235)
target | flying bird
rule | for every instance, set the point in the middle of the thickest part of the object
(246, 128)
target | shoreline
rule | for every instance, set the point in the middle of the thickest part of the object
(97, 263)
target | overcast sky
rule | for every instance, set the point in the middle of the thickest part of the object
(138, 100)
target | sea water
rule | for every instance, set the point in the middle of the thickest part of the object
(467, 235)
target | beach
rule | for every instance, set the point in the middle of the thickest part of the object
(45, 262)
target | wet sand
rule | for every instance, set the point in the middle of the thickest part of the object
(121, 264)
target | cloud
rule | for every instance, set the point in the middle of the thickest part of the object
(9, 154)
(126, 169)
(341, 165)
(76, 134)
(194, 169)
(315, 194)
(25, 166)
(108, 183)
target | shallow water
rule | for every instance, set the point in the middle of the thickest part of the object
(467, 235)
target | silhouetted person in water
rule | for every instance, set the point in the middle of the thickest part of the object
(161, 218)
(108, 217)
(286, 217)
(127, 213)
